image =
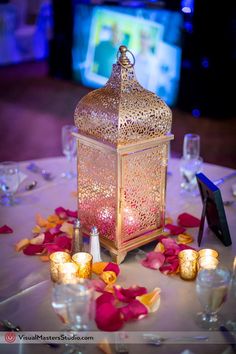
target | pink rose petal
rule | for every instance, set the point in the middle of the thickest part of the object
(183, 246)
(170, 267)
(31, 250)
(51, 248)
(112, 267)
(160, 238)
(108, 317)
(6, 229)
(98, 285)
(48, 237)
(188, 220)
(55, 230)
(63, 242)
(174, 229)
(134, 310)
(72, 214)
(61, 212)
(105, 298)
(128, 294)
(154, 260)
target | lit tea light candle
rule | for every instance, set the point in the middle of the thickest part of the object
(56, 259)
(67, 273)
(208, 252)
(208, 262)
(188, 264)
(84, 262)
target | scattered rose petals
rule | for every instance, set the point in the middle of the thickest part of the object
(161, 237)
(174, 229)
(98, 267)
(105, 298)
(159, 247)
(63, 242)
(108, 317)
(170, 268)
(113, 267)
(72, 214)
(98, 285)
(36, 229)
(40, 220)
(184, 238)
(134, 310)
(22, 244)
(185, 247)
(128, 294)
(151, 300)
(51, 248)
(48, 237)
(188, 220)
(108, 277)
(67, 228)
(55, 230)
(154, 260)
(61, 212)
(31, 250)
(6, 229)
(38, 240)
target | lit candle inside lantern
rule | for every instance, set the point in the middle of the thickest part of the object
(84, 262)
(67, 273)
(208, 252)
(56, 259)
(188, 264)
(208, 262)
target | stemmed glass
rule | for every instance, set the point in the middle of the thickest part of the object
(212, 287)
(9, 182)
(69, 148)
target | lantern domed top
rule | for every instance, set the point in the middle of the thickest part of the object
(122, 112)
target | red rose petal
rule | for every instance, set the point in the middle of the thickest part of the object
(134, 310)
(154, 260)
(170, 267)
(31, 250)
(55, 230)
(108, 317)
(72, 214)
(160, 238)
(105, 298)
(112, 267)
(48, 237)
(183, 246)
(6, 229)
(61, 212)
(188, 220)
(128, 294)
(51, 248)
(63, 242)
(174, 229)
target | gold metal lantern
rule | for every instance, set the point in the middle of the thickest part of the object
(123, 141)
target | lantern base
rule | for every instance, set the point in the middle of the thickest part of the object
(118, 257)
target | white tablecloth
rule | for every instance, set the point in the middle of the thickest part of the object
(25, 296)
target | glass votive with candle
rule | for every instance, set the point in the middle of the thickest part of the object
(57, 258)
(188, 265)
(84, 261)
(208, 252)
(208, 262)
(67, 273)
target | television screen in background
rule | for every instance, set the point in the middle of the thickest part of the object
(152, 35)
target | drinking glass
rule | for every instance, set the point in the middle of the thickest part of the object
(191, 163)
(212, 287)
(9, 182)
(69, 148)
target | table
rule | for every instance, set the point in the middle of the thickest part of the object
(25, 297)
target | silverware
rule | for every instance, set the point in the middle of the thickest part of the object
(44, 173)
(31, 185)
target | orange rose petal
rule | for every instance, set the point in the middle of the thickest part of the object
(38, 240)
(159, 248)
(151, 300)
(22, 244)
(67, 228)
(105, 347)
(44, 258)
(109, 288)
(184, 238)
(108, 277)
(36, 229)
(50, 225)
(40, 220)
(98, 267)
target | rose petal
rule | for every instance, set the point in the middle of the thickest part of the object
(188, 220)
(31, 250)
(134, 310)
(61, 212)
(40, 220)
(55, 230)
(128, 294)
(154, 260)
(170, 246)
(174, 229)
(160, 238)
(105, 298)
(67, 228)
(185, 247)
(63, 242)
(98, 267)
(104, 346)
(38, 240)
(36, 229)
(170, 267)
(151, 300)
(6, 229)
(54, 219)
(48, 237)
(108, 317)
(22, 244)
(51, 248)
(108, 277)
(159, 247)
(72, 214)
(98, 285)
(184, 238)
(113, 267)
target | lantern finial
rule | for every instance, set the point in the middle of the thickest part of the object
(123, 60)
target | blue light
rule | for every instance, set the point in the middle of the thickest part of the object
(186, 10)
(196, 112)
(187, 6)
(205, 63)
(188, 26)
(186, 64)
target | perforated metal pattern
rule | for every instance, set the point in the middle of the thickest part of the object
(122, 112)
(97, 171)
(143, 191)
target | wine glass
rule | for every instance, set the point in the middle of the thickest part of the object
(212, 287)
(9, 182)
(69, 148)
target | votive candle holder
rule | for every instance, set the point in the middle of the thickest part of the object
(67, 273)
(208, 252)
(57, 258)
(208, 262)
(84, 261)
(188, 266)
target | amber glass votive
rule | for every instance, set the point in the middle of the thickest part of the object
(188, 265)
(56, 259)
(84, 261)
(208, 252)
(67, 273)
(207, 262)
